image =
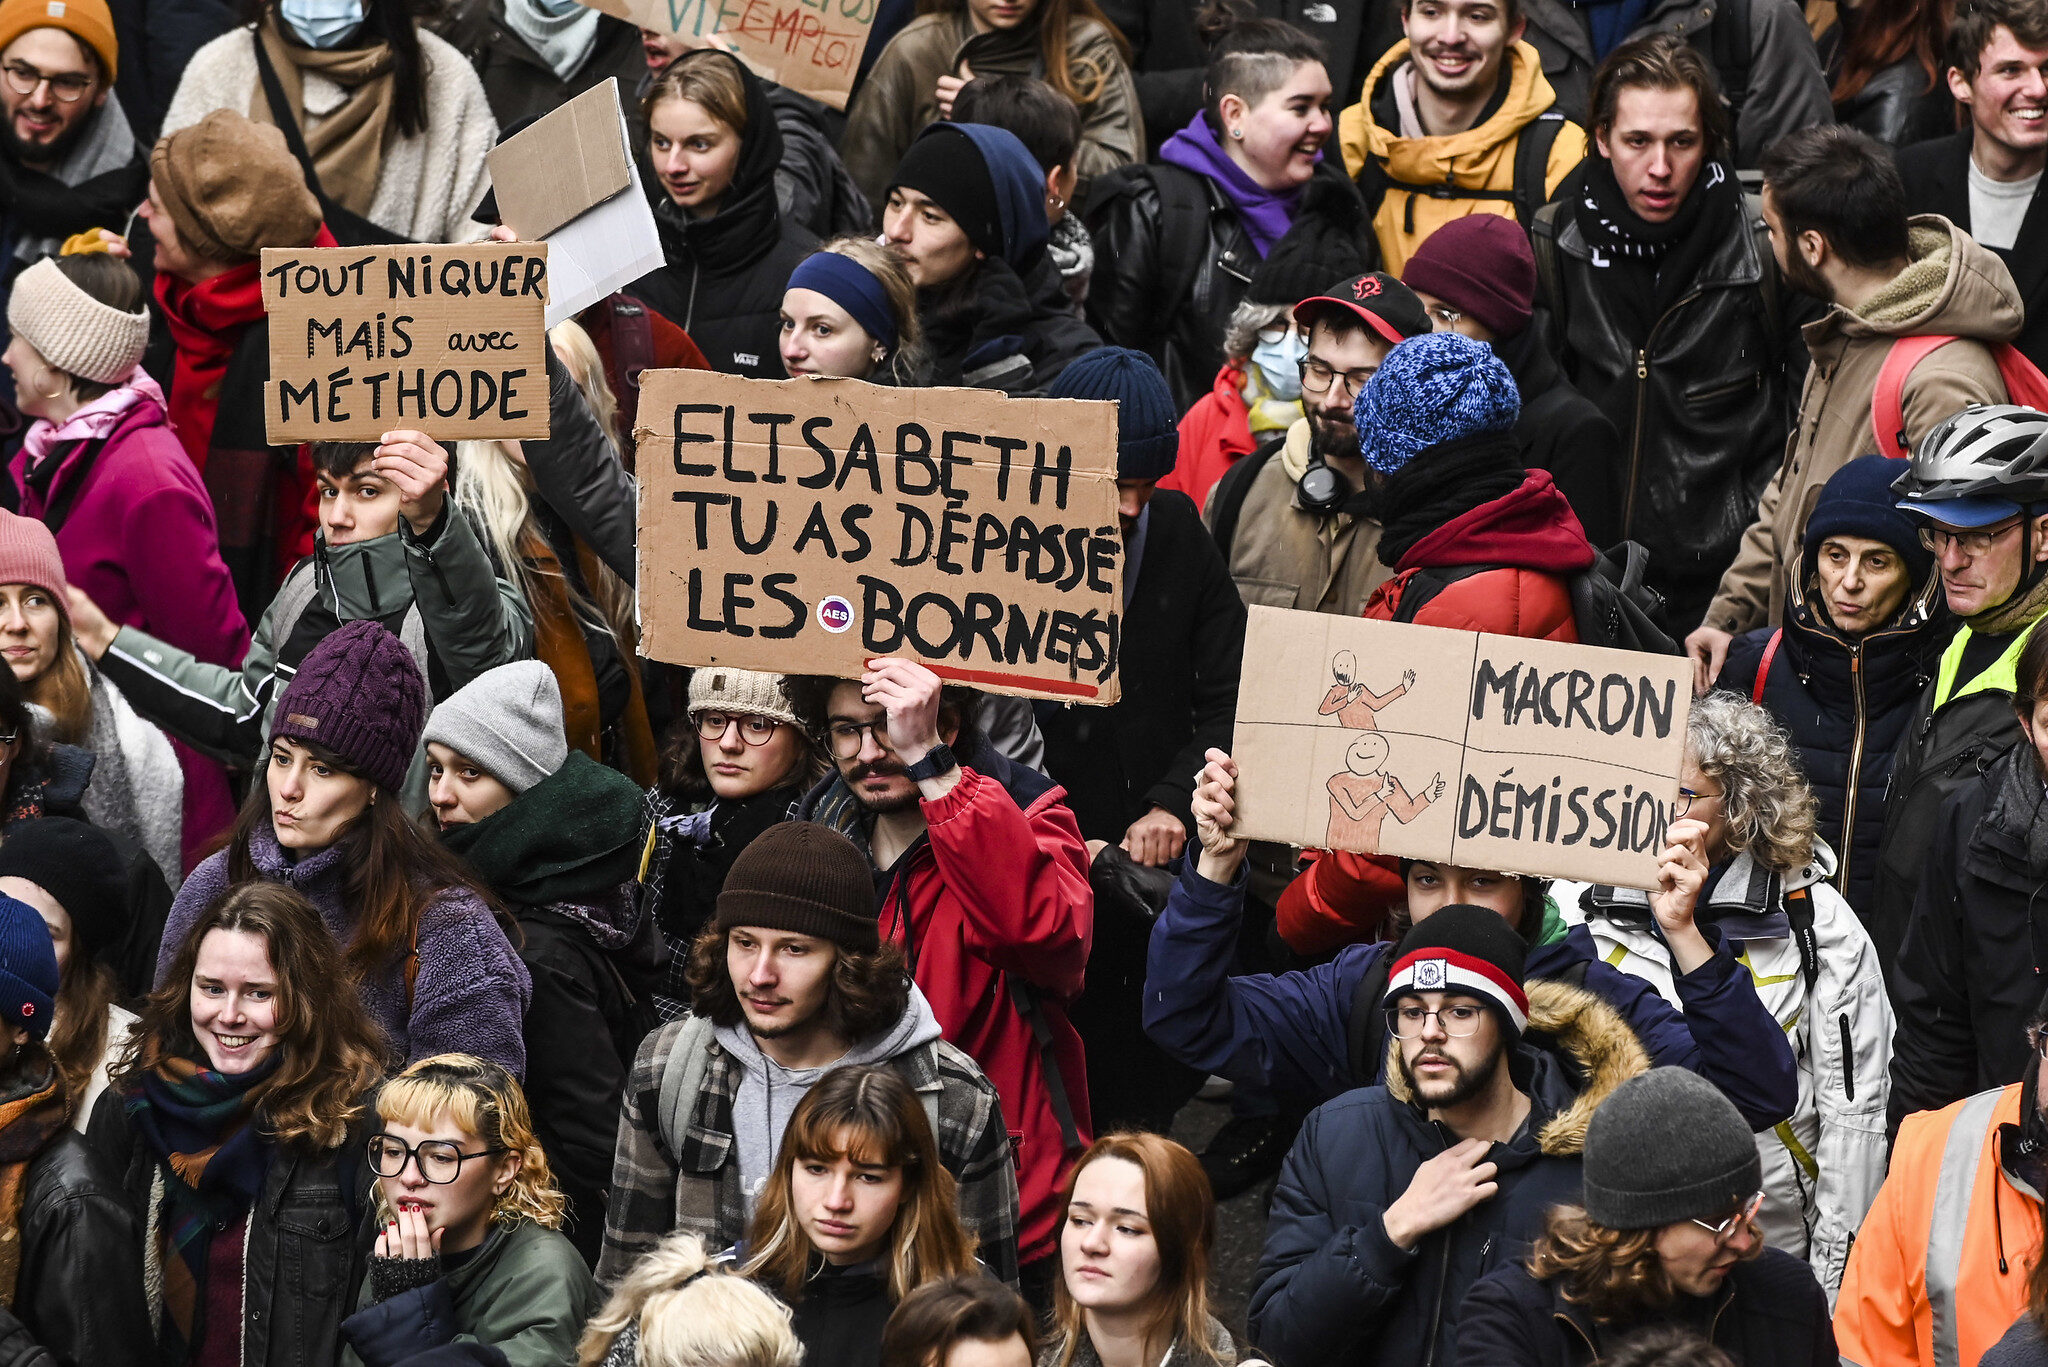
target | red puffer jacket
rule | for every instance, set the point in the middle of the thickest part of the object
(1535, 538)
(994, 900)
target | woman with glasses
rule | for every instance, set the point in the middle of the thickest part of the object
(236, 1118)
(550, 834)
(468, 1246)
(732, 772)
(1768, 901)
(1665, 1234)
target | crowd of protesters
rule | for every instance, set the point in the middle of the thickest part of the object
(398, 968)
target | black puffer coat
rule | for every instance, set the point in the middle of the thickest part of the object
(1702, 401)
(1146, 297)
(726, 274)
(1847, 705)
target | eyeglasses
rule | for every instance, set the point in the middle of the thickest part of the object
(1743, 1215)
(1316, 377)
(753, 730)
(1939, 539)
(68, 86)
(439, 1161)
(1445, 314)
(846, 736)
(1687, 797)
(1458, 1020)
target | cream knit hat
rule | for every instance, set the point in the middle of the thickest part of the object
(716, 688)
(73, 331)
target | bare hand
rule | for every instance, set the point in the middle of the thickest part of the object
(92, 629)
(417, 467)
(1708, 647)
(1441, 1191)
(1681, 875)
(407, 1236)
(1155, 838)
(501, 233)
(909, 693)
(949, 88)
(1215, 811)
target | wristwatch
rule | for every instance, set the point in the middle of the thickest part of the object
(937, 760)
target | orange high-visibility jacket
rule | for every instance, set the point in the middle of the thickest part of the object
(1939, 1269)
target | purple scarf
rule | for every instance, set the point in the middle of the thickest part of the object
(1267, 215)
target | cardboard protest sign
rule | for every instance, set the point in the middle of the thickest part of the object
(812, 46)
(569, 179)
(443, 339)
(1493, 752)
(806, 526)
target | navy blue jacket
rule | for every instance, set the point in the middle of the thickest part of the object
(1334, 1290)
(1290, 1031)
(1768, 1313)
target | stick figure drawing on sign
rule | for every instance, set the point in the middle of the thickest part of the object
(1352, 701)
(1363, 795)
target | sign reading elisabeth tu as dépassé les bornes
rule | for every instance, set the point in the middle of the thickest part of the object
(806, 526)
(1490, 752)
(447, 340)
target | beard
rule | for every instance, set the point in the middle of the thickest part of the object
(1806, 279)
(1464, 1084)
(44, 153)
(878, 806)
(1332, 439)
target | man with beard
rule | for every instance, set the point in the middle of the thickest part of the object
(1839, 229)
(1396, 1197)
(1942, 1265)
(1300, 531)
(789, 981)
(69, 161)
(981, 877)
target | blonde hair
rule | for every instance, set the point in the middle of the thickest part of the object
(690, 1313)
(586, 367)
(64, 690)
(483, 1099)
(1769, 808)
(906, 360)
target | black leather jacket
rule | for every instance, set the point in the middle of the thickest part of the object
(80, 1293)
(308, 1239)
(1703, 403)
(1137, 299)
(1897, 106)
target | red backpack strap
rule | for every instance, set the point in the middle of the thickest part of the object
(1763, 667)
(1888, 398)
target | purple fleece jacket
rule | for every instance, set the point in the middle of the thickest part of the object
(471, 993)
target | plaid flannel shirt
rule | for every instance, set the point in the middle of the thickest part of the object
(663, 1183)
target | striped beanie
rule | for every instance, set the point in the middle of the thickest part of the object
(1463, 949)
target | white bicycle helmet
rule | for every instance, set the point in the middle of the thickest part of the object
(1987, 451)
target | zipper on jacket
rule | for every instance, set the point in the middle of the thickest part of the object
(1848, 1057)
(690, 309)
(1635, 443)
(1855, 775)
(1436, 1309)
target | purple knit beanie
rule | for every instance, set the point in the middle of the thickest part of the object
(358, 694)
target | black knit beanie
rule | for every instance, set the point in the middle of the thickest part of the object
(806, 879)
(1666, 1146)
(79, 866)
(945, 166)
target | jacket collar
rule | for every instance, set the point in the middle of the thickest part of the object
(1533, 527)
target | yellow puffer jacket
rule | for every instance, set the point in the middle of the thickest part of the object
(1480, 158)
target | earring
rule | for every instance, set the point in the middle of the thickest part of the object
(62, 389)
(1237, 133)
(1058, 204)
(880, 354)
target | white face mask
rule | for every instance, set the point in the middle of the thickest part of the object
(322, 23)
(1278, 357)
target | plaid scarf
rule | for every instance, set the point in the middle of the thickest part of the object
(28, 1122)
(196, 1122)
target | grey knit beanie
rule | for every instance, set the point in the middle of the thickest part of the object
(509, 720)
(1667, 1146)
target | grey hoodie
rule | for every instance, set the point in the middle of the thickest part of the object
(768, 1092)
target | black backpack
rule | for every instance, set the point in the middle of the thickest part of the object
(1612, 604)
(1532, 165)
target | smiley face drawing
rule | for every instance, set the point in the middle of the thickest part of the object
(1362, 796)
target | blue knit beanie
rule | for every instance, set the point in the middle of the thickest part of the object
(1858, 500)
(28, 968)
(1430, 390)
(1147, 431)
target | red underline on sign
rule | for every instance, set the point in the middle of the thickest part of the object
(991, 676)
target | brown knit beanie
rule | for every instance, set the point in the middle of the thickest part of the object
(806, 879)
(233, 188)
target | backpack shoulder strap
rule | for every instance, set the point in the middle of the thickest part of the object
(682, 1077)
(1532, 164)
(1888, 395)
(1799, 912)
(294, 596)
(1025, 999)
(1763, 667)
(1366, 1029)
(1550, 293)
(1768, 283)
(1183, 225)
(1227, 501)
(1729, 47)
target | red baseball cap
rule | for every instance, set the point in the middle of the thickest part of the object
(1385, 305)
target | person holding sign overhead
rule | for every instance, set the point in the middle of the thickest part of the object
(714, 147)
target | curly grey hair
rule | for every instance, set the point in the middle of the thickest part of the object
(1247, 321)
(1769, 808)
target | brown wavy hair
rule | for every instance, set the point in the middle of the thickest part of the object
(922, 1330)
(86, 992)
(867, 993)
(870, 1115)
(396, 870)
(1615, 1273)
(1083, 82)
(332, 1053)
(1182, 1214)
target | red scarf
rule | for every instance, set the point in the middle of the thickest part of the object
(206, 321)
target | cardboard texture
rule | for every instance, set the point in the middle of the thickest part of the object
(1491, 752)
(568, 161)
(447, 340)
(806, 526)
(811, 46)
